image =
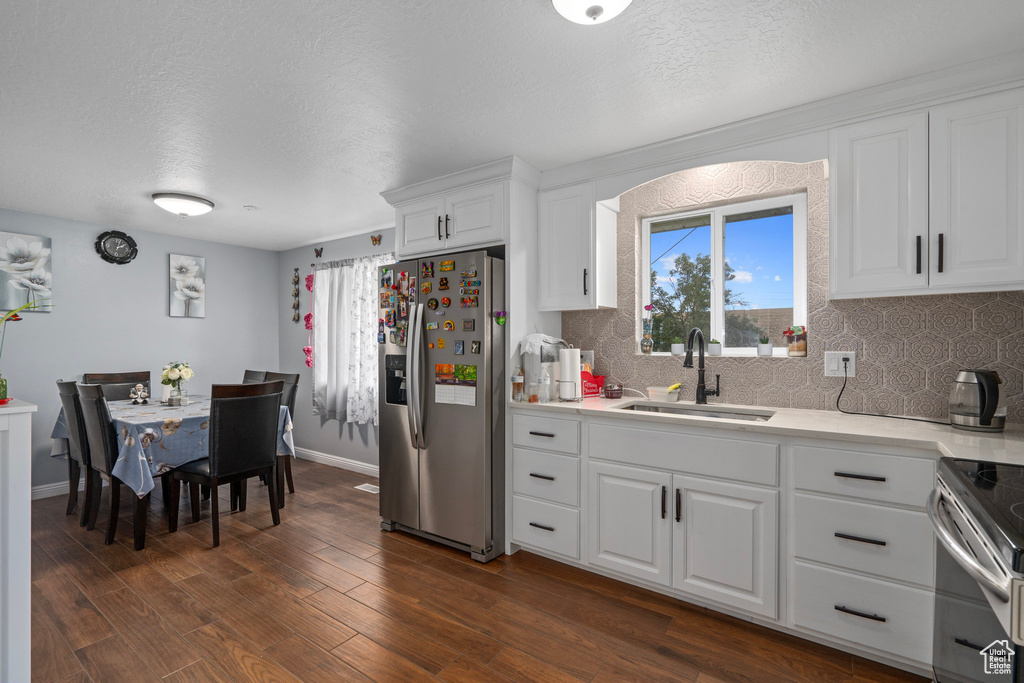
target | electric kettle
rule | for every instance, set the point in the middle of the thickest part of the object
(975, 403)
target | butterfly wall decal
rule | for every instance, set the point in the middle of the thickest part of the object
(319, 252)
(375, 239)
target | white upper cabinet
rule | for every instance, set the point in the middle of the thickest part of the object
(418, 226)
(475, 216)
(929, 202)
(879, 189)
(977, 206)
(576, 250)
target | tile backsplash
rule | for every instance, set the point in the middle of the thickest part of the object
(908, 348)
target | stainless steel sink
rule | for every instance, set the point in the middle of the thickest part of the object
(700, 411)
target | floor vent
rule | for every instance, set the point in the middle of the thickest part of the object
(369, 487)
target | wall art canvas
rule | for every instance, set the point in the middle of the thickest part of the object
(26, 271)
(187, 286)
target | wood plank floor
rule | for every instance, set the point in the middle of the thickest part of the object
(327, 596)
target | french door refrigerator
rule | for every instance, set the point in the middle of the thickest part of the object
(442, 400)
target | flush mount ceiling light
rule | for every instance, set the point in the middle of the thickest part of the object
(590, 12)
(182, 204)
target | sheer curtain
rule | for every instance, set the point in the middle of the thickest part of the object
(345, 339)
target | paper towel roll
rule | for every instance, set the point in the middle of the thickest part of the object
(570, 386)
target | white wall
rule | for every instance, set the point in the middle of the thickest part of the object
(330, 437)
(113, 318)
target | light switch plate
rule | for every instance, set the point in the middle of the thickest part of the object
(834, 363)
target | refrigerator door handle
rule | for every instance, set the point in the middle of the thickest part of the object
(420, 376)
(410, 379)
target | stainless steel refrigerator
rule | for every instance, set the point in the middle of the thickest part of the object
(441, 362)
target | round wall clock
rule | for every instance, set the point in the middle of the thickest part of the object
(116, 247)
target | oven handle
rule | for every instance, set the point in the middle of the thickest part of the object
(979, 573)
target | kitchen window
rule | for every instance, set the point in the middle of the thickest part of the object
(737, 272)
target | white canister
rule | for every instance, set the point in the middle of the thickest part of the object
(570, 381)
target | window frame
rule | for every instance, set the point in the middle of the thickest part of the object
(718, 217)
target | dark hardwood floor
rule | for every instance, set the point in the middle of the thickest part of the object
(327, 596)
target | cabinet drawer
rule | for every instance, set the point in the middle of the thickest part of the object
(820, 597)
(548, 433)
(546, 475)
(887, 478)
(748, 461)
(908, 553)
(547, 526)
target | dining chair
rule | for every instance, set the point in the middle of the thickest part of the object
(102, 439)
(78, 451)
(242, 443)
(253, 376)
(291, 390)
(117, 385)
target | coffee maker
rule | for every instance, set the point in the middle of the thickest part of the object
(975, 403)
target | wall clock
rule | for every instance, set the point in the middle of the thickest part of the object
(116, 247)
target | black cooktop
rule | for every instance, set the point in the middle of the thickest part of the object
(994, 494)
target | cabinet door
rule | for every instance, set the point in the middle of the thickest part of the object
(565, 249)
(475, 216)
(417, 230)
(725, 543)
(879, 190)
(977, 205)
(629, 526)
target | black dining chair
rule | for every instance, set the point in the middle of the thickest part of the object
(243, 444)
(78, 451)
(102, 439)
(253, 376)
(117, 385)
(291, 390)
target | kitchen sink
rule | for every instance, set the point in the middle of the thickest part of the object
(691, 410)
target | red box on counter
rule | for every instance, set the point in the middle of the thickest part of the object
(591, 384)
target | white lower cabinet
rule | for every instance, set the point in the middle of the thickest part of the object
(725, 543)
(630, 530)
(550, 527)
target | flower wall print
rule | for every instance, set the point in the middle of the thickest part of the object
(26, 272)
(187, 286)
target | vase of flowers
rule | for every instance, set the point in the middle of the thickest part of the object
(176, 374)
(647, 341)
(12, 316)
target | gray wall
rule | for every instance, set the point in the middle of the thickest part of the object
(109, 318)
(346, 440)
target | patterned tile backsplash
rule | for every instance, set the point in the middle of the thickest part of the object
(908, 348)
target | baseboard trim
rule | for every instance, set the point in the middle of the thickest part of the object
(58, 488)
(333, 461)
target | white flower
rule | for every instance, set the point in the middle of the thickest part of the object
(173, 374)
(20, 257)
(39, 281)
(183, 267)
(190, 289)
(186, 373)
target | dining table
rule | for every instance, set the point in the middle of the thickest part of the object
(154, 438)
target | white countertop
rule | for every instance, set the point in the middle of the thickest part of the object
(1003, 447)
(16, 405)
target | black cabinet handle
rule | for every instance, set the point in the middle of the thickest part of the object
(544, 434)
(439, 226)
(918, 254)
(446, 235)
(859, 539)
(865, 477)
(547, 478)
(584, 282)
(679, 506)
(862, 615)
(664, 502)
(541, 526)
(942, 244)
(967, 643)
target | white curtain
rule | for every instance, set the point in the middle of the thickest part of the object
(345, 339)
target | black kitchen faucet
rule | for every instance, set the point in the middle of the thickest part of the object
(702, 392)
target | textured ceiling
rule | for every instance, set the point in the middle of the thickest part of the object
(309, 110)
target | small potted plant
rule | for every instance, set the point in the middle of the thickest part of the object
(764, 345)
(714, 348)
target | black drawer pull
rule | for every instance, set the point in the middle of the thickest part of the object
(859, 539)
(664, 502)
(967, 643)
(862, 615)
(544, 434)
(942, 248)
(439, 227)
(541, 526)
(541, 476)
(679, 506)
(865, 477)
(918, 254)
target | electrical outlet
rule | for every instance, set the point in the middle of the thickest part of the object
(834, 363)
